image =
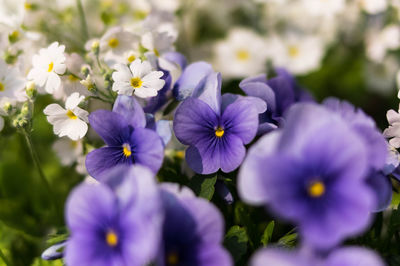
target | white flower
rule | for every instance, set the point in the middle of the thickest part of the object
(12, 84)
(47, 65)
(242, 54)
(393, 131)
(68, 150)
(138, 79)
(373, 6)
(117, 41)
(324, 8)
(70, 122)
(298, 54)
(12, 12)
(379, 42)
(158, 42)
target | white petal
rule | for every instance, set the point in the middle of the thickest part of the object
(60, 68)
(53, 82)
(73, 100)
(54, 109)
(122, 73)
(145, 92)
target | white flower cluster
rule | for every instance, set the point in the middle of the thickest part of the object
(129, 59)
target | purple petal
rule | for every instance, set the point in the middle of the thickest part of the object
(382, 187)
(229, 98)
(241, 119)
(202, 164)
(210, 91)
(147, 148)
(209, 221)
(260, 90)
(131, 110)
(353, 256)
(177, 58)
(111, 127)
(250, 184)
(99, 161)
(194, 120)
(190, 78)
(80, 215)
(213, 255)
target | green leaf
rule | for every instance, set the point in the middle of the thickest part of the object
(267, 235)
(288, 240)
(40, 262)
(236, 242)
(203, 185)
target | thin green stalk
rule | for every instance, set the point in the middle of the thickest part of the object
(42, 176)
(5, 260)
(82, 17)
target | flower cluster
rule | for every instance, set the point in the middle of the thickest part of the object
(169, 152)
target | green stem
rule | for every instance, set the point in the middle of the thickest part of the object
(3, 257)
(82, 17)
(35, 158)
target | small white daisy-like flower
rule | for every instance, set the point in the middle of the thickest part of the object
(299, 54)
(138, 79)
(117, 41)
(241, 54)
(70, 122)
(324, 8)
(47, 65)
(393, 131)
(12, 84)
(158, 42)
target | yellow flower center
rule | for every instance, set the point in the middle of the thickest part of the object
(293, 51)
(126, 149)
(72, 78)
(316, 189)
(172, 258)
(71, 115)
(51, 66)
(28, 6)
(113, 42)
(136, 82)
(131, 58)
(111, 238)
(2, 88)
(219, 132)
(156, 52)
(242, 55)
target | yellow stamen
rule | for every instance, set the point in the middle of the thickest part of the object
(136, 82)
(242, 55)
(316, 189)
(127, 150)
(2, 88)
(219, 132)
(156, 53)
(113, 42)
(51, 66)
(131, 58)
(180, 154)
(71, 115)
(172, 258)
(111, 238)
(293, 51)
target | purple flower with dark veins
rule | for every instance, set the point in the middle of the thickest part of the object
(216, 128)
(312, 172)
(115, 223)
(128, 141)
(193, 230)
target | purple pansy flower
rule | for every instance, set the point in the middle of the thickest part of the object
(193, 230)
(115, 224)
(312, 172)
(375, 143)
(216, 128)
(128, 141)
(279, 93)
